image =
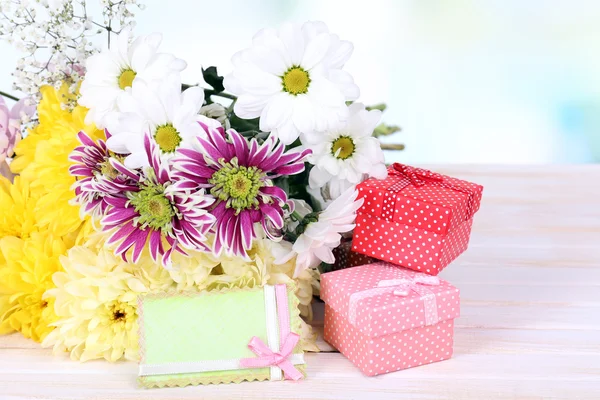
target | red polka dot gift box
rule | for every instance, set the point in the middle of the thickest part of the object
(384, 318)
(415, 218)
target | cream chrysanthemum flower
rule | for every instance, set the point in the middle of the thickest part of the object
(111, 73)
(191, 272)
(292, 78)
(95, 301)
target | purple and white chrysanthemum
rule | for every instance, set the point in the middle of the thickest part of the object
(96, 177)
(157, 211)
(239, 174)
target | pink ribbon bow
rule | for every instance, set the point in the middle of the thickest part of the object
(401, 287)
(268, 358)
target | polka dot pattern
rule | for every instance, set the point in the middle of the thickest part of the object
(393, 352)
(419, 227)
(407, 246)
(386, 313)
(346, 258)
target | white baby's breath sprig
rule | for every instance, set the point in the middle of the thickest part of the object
(57, 36)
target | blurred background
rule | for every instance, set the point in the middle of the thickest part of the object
(486, 81)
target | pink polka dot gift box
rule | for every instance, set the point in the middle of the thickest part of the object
(384, 318)
(415, 218)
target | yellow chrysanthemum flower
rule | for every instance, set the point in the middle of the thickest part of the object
(37, 223)
(95, 300)
(18, 203)
(42, 158)
(26, 268)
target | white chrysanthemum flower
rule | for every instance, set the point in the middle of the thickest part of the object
(218, 112)
(346, 156)
(111, 73)
(320, 237)
(161, 109)
(292, 79)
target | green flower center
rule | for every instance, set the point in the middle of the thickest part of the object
(126, 78)
(153, 207)
(106, 169)
(295, 80)
(167, 138)
(237, 185)
(343, 147)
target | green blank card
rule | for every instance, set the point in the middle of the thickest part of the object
(179, 331)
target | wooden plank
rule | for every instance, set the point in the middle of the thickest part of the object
(472, 374)
(526, 316)
(533, 257)
(526, 341)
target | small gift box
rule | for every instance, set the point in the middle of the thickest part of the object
(219, 337)
(384, 318)
(415, 218)
(346, 258)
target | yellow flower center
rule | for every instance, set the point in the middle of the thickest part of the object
(126, 78)
(343, 147)
(167, 138)
(119, 312)
(296, 81)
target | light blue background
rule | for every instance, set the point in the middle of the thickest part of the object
(488, 81)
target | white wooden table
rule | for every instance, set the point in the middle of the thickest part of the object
(530, 324)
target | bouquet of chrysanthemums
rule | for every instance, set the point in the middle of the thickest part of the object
(128, 181)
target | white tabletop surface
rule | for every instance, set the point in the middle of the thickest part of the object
(529, 329)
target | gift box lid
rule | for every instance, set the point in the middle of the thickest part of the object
(381, 298)
(420, 198)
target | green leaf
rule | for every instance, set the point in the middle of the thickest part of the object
(296, 187)
(324, 267)
(243, 125)
(385, 130)
(211, 77)
(381, 107)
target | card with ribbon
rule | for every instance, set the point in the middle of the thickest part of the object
(385, 318)
(219, 337)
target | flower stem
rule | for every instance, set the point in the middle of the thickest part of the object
(296, 216)
(10, 96)
(230, 108)
(210, 92)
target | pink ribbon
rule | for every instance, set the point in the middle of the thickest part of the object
(401, 287)
(265, 356)
(268, 358)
